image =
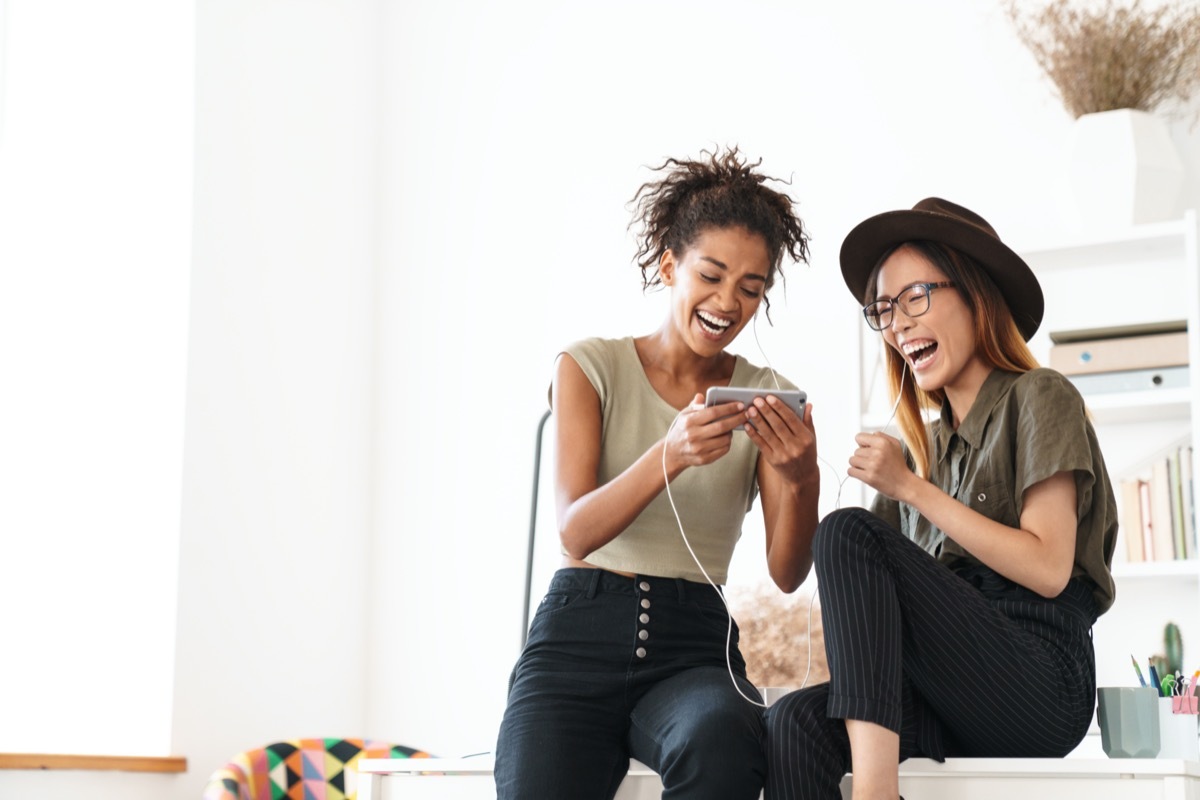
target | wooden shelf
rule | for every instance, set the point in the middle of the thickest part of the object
(48, 761)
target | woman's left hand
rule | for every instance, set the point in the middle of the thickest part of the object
(787, 442)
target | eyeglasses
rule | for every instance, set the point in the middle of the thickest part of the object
(913, 301)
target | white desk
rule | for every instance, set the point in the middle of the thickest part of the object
(1048, 779)
(976, 778)
(466, 779)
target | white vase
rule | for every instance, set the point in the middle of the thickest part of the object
(1125, 170)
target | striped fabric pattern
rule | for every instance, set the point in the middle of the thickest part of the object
(958, 664)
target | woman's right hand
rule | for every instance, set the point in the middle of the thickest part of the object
(700, 435)
(879, 463)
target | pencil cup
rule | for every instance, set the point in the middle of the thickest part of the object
(1128, 718)
(1177, 731)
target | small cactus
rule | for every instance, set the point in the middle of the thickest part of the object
(1173, 642)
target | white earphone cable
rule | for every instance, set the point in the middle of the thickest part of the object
(704, 572)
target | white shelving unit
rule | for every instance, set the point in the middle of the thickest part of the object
(1147, 273)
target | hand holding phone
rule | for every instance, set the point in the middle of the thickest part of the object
(716, 395)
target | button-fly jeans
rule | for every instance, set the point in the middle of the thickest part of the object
(619, 667)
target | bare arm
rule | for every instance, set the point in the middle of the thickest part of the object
(591, 515)
(790, 485)
(1039, 555)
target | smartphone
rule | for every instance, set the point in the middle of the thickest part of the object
(717, 395)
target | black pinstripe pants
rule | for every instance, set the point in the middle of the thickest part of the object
(961, 662)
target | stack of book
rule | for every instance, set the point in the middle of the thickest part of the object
(1123, 358)
(1158, 514)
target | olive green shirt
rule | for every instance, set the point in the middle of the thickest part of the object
(712, 500)
(1022, 429)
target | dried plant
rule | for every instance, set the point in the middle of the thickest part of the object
(774, 641)
(1109, 56)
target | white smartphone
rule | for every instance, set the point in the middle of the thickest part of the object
(716, 395)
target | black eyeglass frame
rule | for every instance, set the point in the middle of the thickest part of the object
(893, 302)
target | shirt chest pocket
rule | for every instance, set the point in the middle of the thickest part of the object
(994, 501)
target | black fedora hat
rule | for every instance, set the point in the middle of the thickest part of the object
(937, 220)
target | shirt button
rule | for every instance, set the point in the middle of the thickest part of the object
(645, 602)
(644, 618)
(643, 634)
(645, 587)
(641, 652)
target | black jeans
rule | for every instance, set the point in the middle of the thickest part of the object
(620, 667)
(959, 663)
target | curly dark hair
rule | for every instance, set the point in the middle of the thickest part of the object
(719, 190)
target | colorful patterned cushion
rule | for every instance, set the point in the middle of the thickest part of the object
(299, 769)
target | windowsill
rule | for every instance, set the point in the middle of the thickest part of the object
(123, 763)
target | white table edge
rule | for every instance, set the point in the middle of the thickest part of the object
(1046, 767)
(371, 771)
(480, 765)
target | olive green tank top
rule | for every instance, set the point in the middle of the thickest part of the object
(712, 500)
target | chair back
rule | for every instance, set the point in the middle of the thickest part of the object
(299, 769)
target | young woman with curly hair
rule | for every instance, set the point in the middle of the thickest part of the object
(631, 652)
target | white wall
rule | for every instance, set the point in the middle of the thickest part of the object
(95, 217)
(404, 209)
(278, 483)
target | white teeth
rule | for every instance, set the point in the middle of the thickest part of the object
(913, 351)
(715, 324)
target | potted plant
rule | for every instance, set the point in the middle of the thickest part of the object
(1120, 69)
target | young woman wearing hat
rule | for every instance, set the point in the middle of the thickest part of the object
(631, 652)
(958, 612)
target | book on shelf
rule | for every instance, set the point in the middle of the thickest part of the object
(1132, 380)
(1144, 513)
(1123, 358)
(1130, 520)
(1160, 511)
(1187, 500)
(1116, 355)
(1157, 513)
(1175, 486)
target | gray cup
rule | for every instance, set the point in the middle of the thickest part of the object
(1128, 721)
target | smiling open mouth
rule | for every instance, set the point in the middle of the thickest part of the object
(713, 324)
(920, 353)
